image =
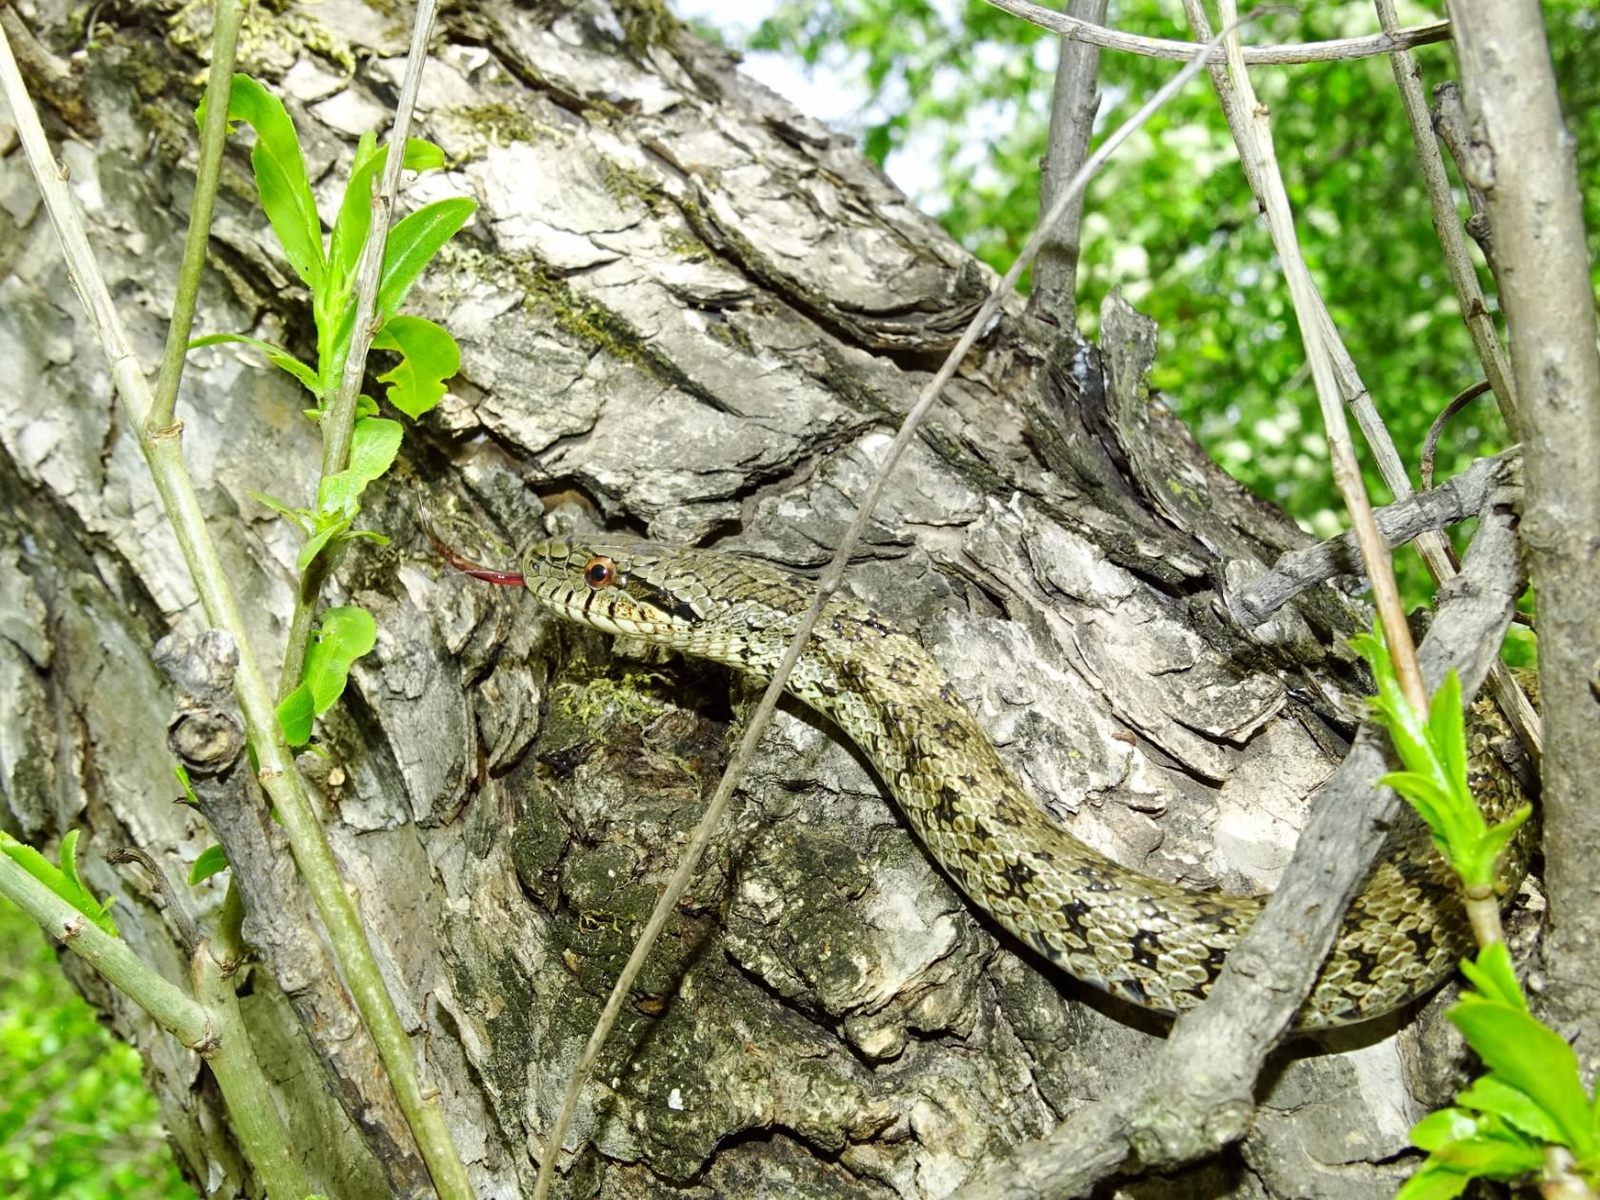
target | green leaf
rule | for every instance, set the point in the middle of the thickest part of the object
(280, 176)
(345, 635)
(62, 880)
(1530, 1057)
(428, 357)
(423, 155)
(1432, 802)
(1495, 838)
(1471, 1145)
(1493, 975)
(1448, 730)
(355, 211)
(373, 444)
(296, 712)
(1443, 1127)
(213, 859)
(276, 355)
(302, 517)
(79, 896)
(1490, 1156)
(355, 215)
(412, 244)
(1491, 1094)
(182, 773)
(317, 541)
(1433, 1182)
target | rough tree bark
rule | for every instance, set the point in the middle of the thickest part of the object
(689, 311)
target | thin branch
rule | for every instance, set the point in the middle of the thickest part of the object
(1334, 50)
(832, 576)
(1451, 502)
(1446, 223)
(338, 420)
(279, 776)
(1430, 444)
(1252, 133)
(226, 16)
(1054, 295)
(255, 1122)
(167, 1004)
(52, 75)
(1433, 547)
(1199, 1094)
(1450, 122)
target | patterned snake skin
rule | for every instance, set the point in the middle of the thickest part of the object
(1150, 942)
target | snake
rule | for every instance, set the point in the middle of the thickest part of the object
(1151, 942)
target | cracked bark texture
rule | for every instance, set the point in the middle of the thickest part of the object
(688, 311)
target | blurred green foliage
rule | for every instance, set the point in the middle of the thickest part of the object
(76, 1121)
(962, 90)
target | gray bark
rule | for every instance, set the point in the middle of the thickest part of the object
(687, 310)
(1522, 160)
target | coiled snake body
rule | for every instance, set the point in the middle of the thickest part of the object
(1154, 943)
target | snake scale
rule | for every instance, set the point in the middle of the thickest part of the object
(1154, 943)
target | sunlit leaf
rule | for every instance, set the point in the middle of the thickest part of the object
(345, 635)
(276, 355)
(412, 244)
(429, 356)
(280, 171)
(213, 859)
(1530, 1057)
(63, 880)
(374, 442)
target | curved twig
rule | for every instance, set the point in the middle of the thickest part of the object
(1333, 50)
(1456, 500)
(1431, 442)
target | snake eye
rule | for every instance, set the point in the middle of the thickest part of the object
(600, 572)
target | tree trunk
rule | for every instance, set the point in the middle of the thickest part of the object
(688, 311)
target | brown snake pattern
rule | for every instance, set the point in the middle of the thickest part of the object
(1154, 943)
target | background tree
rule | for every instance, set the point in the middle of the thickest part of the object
(687, 310)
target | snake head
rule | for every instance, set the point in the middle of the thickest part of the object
(619, 586)
(714, 605)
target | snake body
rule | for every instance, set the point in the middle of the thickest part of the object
(1145, 940)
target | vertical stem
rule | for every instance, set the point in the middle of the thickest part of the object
(1054, 297)
(256, 1123)
(339, 416)
(226, 15)
(1523, 162)
(280, 778)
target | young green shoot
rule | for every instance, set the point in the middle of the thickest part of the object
(1529, 1114)
(426, 357)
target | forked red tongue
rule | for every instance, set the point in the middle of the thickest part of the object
(467, 567)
